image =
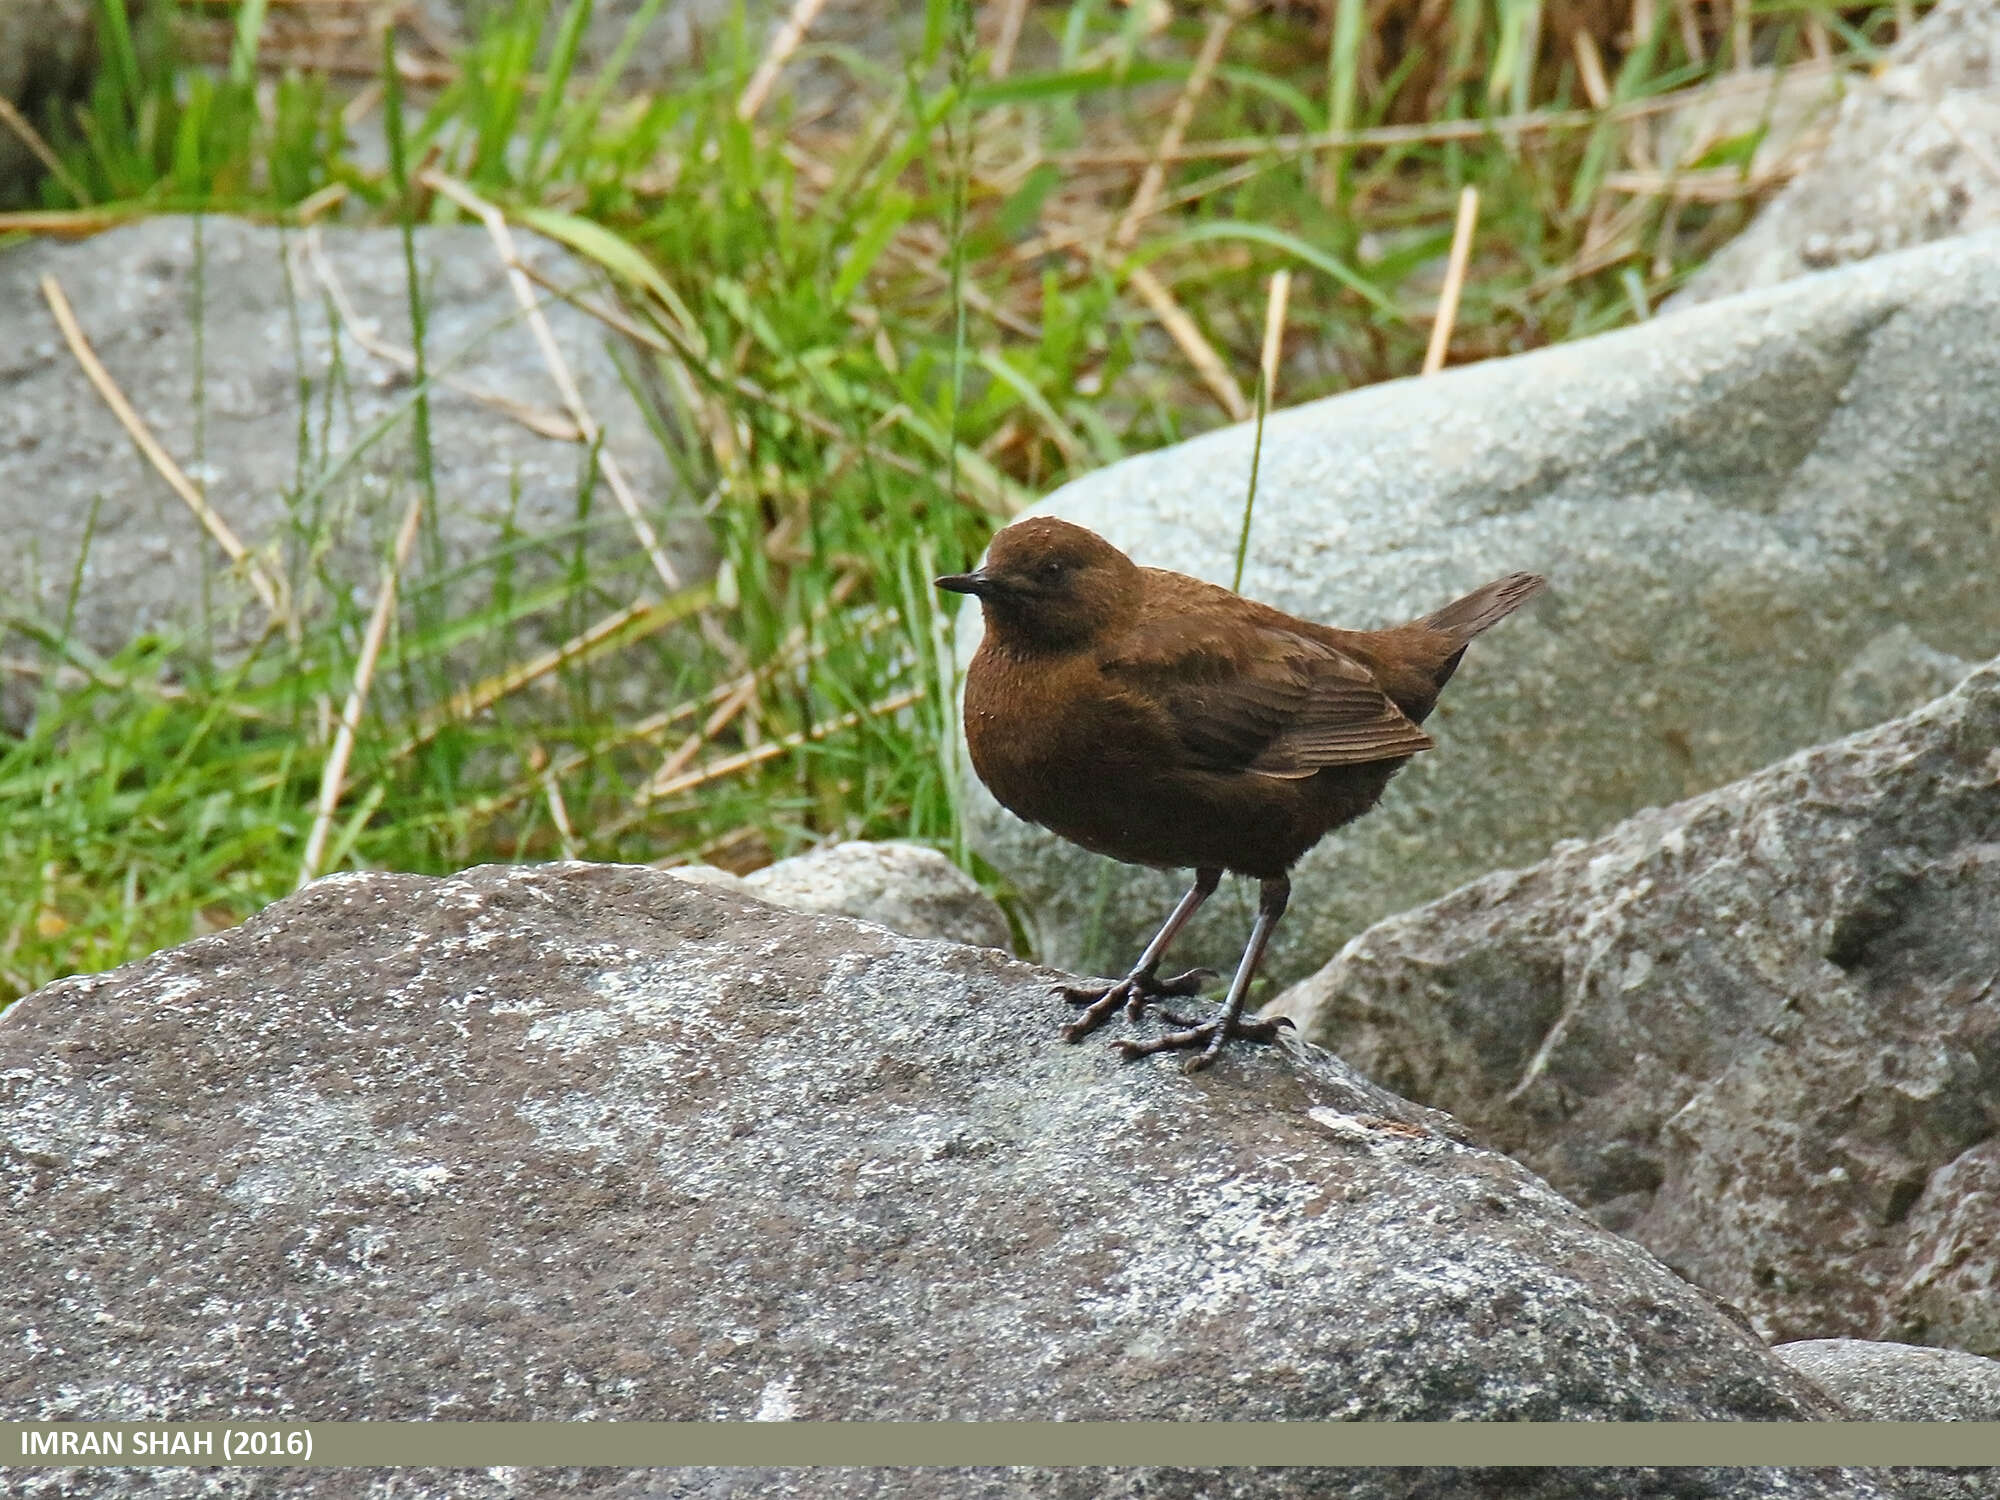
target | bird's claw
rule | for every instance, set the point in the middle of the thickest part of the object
(1207, 1035)
(1134, 992)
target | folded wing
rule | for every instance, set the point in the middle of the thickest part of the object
(1270, 703)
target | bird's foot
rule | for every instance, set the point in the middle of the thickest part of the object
(1134, 991)
(1207, 1035)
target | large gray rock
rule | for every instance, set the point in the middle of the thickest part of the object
(1758, 1032)
(589, 1141)
(1732, 503)
(224, 337)
(1901, 1382)
(688, 36)
(1907, 1383)
(906, 887)
(48, 52)
(1914, 156)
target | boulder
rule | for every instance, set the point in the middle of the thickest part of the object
(582, 1141)
(1734, 504)
(1901, 1382)
(1906, 1383)
(906, 887)
(229, 340)
(1913, 156)
(1758, 1031)
(688, 36)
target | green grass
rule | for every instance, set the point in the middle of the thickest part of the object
(883, 332)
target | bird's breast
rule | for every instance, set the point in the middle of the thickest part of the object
(1052, 740)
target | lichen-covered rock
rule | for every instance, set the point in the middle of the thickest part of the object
(1758, 1031)
(1733, 505)
(587, 1141)
(1914, 156)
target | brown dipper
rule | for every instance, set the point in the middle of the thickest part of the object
(1164, 721)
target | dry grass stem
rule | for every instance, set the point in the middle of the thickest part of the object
(1454, 279)
(1200, 353)
(725, 713)
(1590, 69)
(559, 812)
(269, 588)
(1274, 333)
(30, 137)
(620, 628)
(524, 295)
(1012, 13)
(313, 205)
(69, 223)
(783, 44)
(537, 419)
(992, 490)
(1691, 30)
(1169, 145)
(1708, 185)
(1435, 132)
(333, 776)
(744, 760)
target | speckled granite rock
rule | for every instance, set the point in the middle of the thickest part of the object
(906, 887)
(1909, 1383)
(589, 1141)
(1914, 156)
(1758, 1032)
(1732, 503)
(230, 348)
(1901, 1382)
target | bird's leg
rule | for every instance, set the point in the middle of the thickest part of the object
(1210, 1035)
(1136, 988)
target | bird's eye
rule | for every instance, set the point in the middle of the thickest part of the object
(1054, 568)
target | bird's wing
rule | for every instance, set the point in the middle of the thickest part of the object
(1266, 701)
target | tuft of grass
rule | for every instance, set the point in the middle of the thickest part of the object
(880, 315)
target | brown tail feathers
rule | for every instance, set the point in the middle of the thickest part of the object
(1485, 606)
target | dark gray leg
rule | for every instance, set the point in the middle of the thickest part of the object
(1272, 899)
(1136, 988)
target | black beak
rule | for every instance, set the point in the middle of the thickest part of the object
(977, 584)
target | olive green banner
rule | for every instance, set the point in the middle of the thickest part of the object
(1121, 1444)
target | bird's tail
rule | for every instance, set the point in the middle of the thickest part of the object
(1465, 618)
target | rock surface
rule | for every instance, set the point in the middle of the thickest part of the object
(1901, 1382)
(226, 339)
(1914, 156)
(1733, 504)
(690, 35)
(591, 1142)
(906, 887)
(1758, 1032)
(1907, 1383)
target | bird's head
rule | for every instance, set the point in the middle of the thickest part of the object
(1048, 585)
